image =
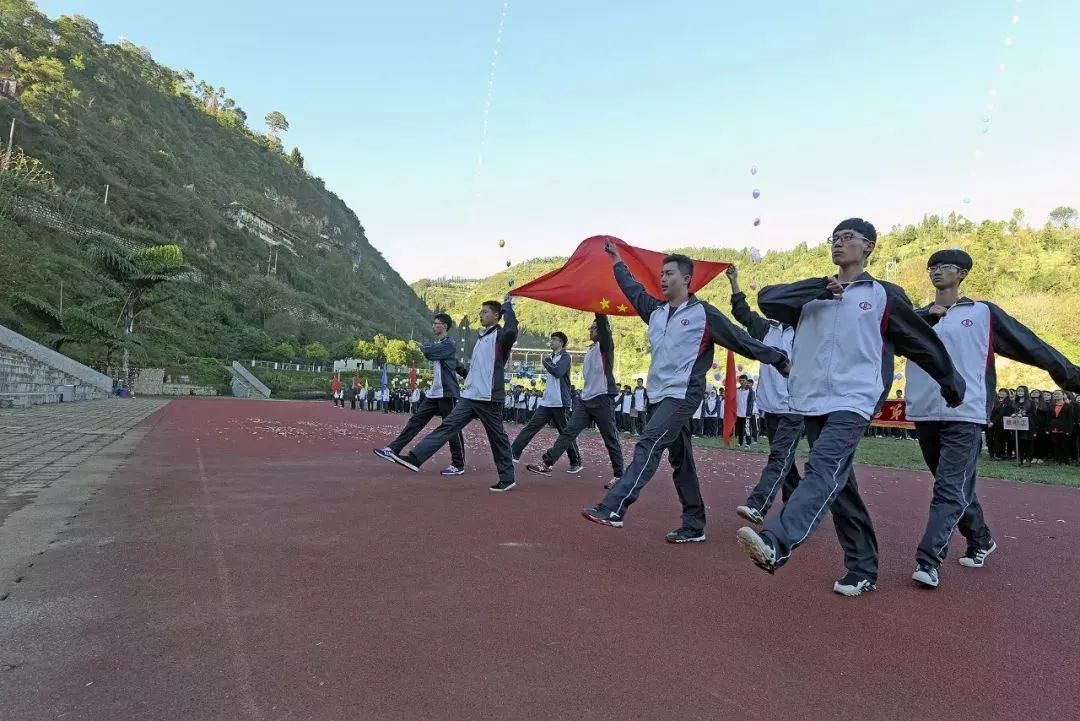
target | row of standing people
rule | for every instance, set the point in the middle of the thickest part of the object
(1053, 433)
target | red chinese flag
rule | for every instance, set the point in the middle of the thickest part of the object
(586, 282)
(731, 410)
(412, 376)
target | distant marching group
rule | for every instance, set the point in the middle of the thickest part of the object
(827, 348)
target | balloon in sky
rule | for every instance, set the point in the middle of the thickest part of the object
(967, 201)
(718, 376)
(507, 264)
(757, 222)
(753, 286)
(1008, 42)
(992, 92)
(753, 170)
(510, 282)
(755, 255)
(898, 376)
(715, 366)
(1016, 20)
(756, 193)
(1001, 67)
(502, 243)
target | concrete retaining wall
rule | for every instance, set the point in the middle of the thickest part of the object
(31, 374)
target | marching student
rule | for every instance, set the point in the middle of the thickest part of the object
(783, 428)
(440, 398)
(595, 405)
(682, 332)
(555, 403)
(950, 437)
(481, 398)
(846, 328)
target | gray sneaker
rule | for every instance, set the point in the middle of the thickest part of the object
(751, 514)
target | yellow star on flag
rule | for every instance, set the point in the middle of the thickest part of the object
(604, 303)
(623, 308)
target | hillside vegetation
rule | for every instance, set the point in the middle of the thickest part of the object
(174, 152)
(1033, 273)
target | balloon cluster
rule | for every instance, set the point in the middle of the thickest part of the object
(756, 194)
(502, 244)
(992, 93)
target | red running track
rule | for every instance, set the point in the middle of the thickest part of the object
(254, 560)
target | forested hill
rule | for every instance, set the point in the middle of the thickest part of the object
(1032, 272)
(175, 153)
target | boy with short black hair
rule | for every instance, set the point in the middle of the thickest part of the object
(847, 328)
(555, 404)
(440, 398)
(682, 332)
(950, 437)
(482, 396)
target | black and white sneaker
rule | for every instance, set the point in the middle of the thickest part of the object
(853, 585)
(925, 576)
(452, 471)
(503, 486)
(976, 557)
(685, 535)
(751, 514)
(386, 453)
(574, 469)
(540, 468)
(611, 484)
(601, 515)
(408, 460)
(758, 548)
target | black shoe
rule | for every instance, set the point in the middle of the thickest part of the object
(685, 535)
(976, 557)
(601, 515)
(408, 460)
(503, 486)
(854, 585)
(925, 576)
(541, 468)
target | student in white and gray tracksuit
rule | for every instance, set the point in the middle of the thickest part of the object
(783, 428)
(481, 397)
(439, 400)
(555, 404)
(682, 332)
(595, 405)
(951, 438)
(843, 330)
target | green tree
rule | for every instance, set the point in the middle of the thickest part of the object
(47, 93)
(316, 352)
(74, 324)
(276, 123)
(296, 158)
(139, 277)
(397, 352)
(283, 351)
(1063, 216)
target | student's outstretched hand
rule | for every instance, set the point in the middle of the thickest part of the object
(612, 250)
(835, 288)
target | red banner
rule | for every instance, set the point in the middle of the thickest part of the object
(730, 401)
(586, 282)
(892, 415)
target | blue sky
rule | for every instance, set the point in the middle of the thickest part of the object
(642, 119)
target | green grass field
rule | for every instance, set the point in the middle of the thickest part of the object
(894, 453)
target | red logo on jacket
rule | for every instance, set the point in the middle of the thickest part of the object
(686, 321)
(967, 322)
(865, 305)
